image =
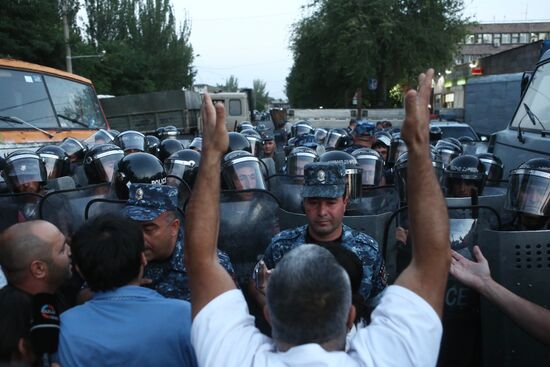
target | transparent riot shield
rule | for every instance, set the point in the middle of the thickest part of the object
(184, 190)
(66, 208)
(374, 201)
(288, 191)
(16, 208)
(520, 261)
(100, 206)
(248, 221)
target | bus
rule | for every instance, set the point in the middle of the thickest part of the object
(41, 105)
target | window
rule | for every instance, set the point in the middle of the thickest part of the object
(524, 37)
(487, 38)
(470, 39)
(496, 40)
(515, 37)
(235, 108)
(543, 36)
(479, 38)
(506, 39)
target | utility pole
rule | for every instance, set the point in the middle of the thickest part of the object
(68, 57)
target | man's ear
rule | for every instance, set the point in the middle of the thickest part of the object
(267, 315)
(39, 269)
(174, 227)
(351, 317)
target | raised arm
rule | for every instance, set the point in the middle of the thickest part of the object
(207, 278)
(532, 318)
(427, 273)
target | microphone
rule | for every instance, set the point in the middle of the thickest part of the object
(44, 326)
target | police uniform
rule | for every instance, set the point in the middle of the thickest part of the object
(327, 180)
(169, 277)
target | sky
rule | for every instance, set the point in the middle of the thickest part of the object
(249, 38)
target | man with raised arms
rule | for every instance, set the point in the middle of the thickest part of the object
(308, 293)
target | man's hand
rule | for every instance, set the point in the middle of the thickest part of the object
(415, 127)
(473, 274)
(214, 133)
(401, 234)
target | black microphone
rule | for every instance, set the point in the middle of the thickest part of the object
(44, 326)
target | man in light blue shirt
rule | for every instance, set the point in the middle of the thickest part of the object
(123, 324)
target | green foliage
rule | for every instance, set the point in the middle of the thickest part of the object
(231, 84)
(344, 43)
(31, 30)
(145, 50)
(261, 96)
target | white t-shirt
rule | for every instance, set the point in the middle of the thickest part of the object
(405, 331)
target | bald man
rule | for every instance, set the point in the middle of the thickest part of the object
(34, 256)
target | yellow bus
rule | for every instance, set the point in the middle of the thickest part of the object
(40, 105)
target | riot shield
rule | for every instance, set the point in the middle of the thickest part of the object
(248, 221)
(184, 190)
(520, 261)
(16, 208)
(374, 201)
(101, 206)
(66, 208)
(288, 191)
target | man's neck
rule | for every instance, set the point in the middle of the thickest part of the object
(334, 236)
(33, 287)
(330, 346)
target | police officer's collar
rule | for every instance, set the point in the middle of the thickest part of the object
(337, 241)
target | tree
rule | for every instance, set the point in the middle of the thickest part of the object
(144, 49)
(231, 84)
(344, 43)
(261, 96)
(32, 30)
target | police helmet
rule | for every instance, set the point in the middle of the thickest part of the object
(183, 164)
(168, 147)
(435, 134)
(137, 168)
(456, 142)
(152, 143)
(267, 135)
(261, 128)
(372, 164)
(99, 137)
(242, 171)
(354, 174)
(196, 144)
(298, 158)
(447, 151)
(24, 171)
(494, 168)
(337, 139)
(463, 174)
(167, 132)
(397, 148)
(114, 133)
(56, 161)
(131, 141)
(74, 149)
(255, 140)
(100, 162)
(400, 173)
(529, 188)
(238, 141)
(244, 125)
(301, 128)
(320, 135)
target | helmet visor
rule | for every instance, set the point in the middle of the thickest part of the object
(244, 173)
(179, 167)
(372, 169)
(493, 170)
(134, 142)
(332, 140)
(100, 137)
(529, 192)
(25, 169)
(256, 145)
(105, 164)
(54, 165)
(297, 162)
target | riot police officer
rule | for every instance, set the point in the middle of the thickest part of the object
(494, 168)
(255, 140)
(74, 149)
(337, 139)
(301, 128)
(372, 165)
(152, 143)
(363, 136)
(56, 161)
(463, 175)
(298, 158)
(131, 141)
(241, 171)
(168, 147)
(24, 172)
(528, 195)
(100, 161)
(183, 164)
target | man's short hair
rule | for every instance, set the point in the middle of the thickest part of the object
(107, 251)
(15, 308)
(308, 297)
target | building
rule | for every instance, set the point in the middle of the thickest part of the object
(486, 39)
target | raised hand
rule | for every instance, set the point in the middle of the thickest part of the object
(214, 132)
(415, 127)
(473, 274)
